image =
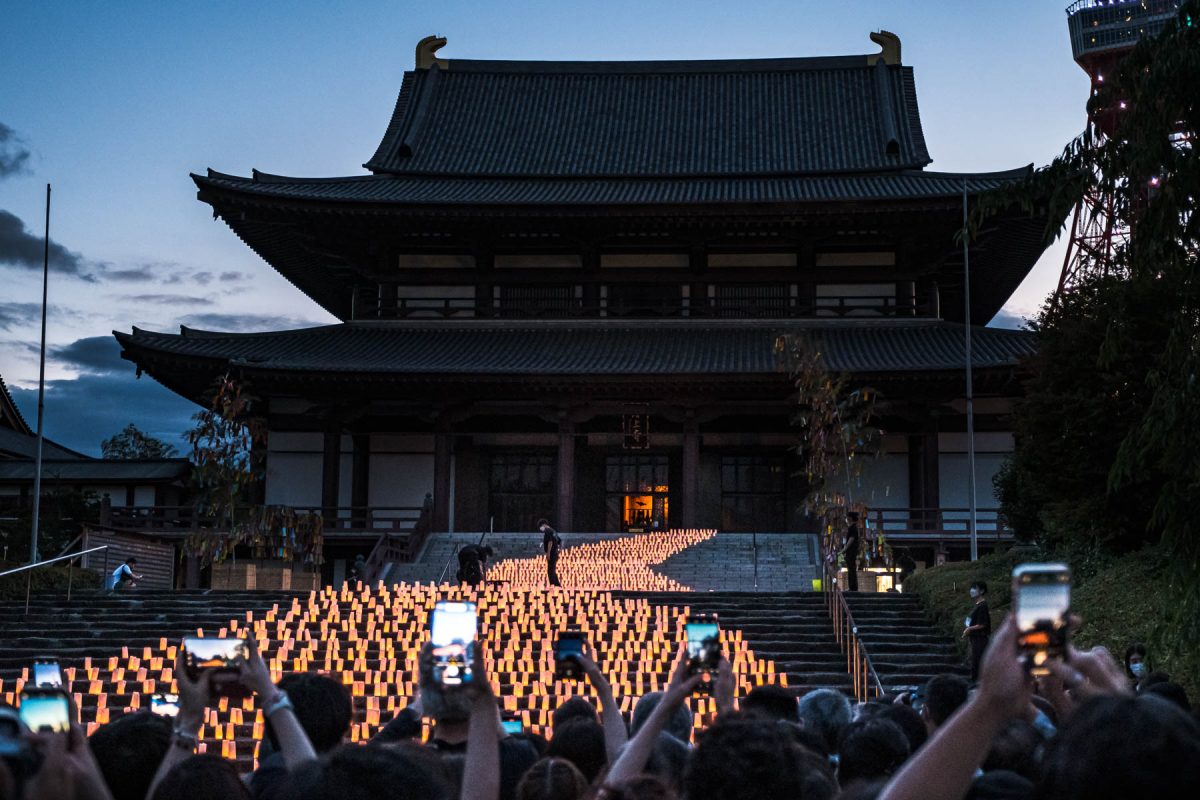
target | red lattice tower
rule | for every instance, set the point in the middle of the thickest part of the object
(1102, 33)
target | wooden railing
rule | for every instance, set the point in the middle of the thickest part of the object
(924, 525)
(371, 520)
(782, 307)
(863, 677)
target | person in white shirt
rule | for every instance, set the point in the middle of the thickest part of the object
(123, 576)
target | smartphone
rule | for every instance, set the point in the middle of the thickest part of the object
(46, 674)
(452, 634)
(222, 656)
(512, 725)
(1042, 600)
(45, 710)
(165, 705)
(569, 644)
(703, 643)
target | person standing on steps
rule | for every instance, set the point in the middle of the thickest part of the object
(979, 626)
(551, 542)
(850, 550)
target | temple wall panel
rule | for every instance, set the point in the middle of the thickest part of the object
(293, 469)
(400, 479)
(953, 479)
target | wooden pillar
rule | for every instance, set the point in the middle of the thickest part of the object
(331, 463)
(564, 508)
(360, 479)
(443, 448)
(691, 472)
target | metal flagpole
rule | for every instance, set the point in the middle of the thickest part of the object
(970, 388)
(41, 408)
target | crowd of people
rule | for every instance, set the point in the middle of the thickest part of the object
(1093, 728)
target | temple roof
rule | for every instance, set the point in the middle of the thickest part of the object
(424, 190)
(10, 415)
(425, 349)
(654, 118)
(98, 470)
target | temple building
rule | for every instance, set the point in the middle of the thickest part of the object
(561, 285)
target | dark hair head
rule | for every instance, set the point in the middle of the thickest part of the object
(679, 725)
(908, 721)
(350, 772)
(572, 709)
(323, 707)
(542, 522)
(981, 586)
(202, 777)
(131, 560)
(943, 695)
(129, 750)
(826, 711)
(488, 552)
(1171, 691)
(1135, 649)
(1123, 747)
(745, 758)
(641, 787)
(580, 741)
(1015, 749)
(870, 748)
(772, 702)
(552, 779)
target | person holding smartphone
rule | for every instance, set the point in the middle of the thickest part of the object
(551, 542)
(123, 576)
(978, 627)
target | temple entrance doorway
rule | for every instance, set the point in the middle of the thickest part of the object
(636, 493)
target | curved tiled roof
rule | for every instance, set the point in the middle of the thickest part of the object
(10, 415)
(662, 119)
(585, 348)
(392, 189)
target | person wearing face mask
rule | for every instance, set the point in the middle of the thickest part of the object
(978, 627)
(1136, 666)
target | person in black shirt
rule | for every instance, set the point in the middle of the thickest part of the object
(850, 550)
(472, 564)
(978, 627)
(551, 541)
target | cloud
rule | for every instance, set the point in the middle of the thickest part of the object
(171, 299)
(21, 248)
(247, 323)
(138, 274)
(97, 355)
(80, 412)
(18, 316)
(14, 155)
(1008, 319)
(233, 277)
(203, 278)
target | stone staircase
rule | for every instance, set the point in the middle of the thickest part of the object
(905, 649)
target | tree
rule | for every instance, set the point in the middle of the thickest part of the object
(1108, 451)
(837, 434)
(131, 443)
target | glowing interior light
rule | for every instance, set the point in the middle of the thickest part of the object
(1155, 181)
(1122, 104)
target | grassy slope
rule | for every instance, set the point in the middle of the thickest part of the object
(1120, 603)
(13, 587)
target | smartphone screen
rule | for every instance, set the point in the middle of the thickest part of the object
(569, 643)
(452, 634)
(220, 655)
(1042, 600)
(47, 675)
(165, 705)
(512, 726)
(703, 644)
(46, 711)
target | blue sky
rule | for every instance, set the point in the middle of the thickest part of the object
(115, 103)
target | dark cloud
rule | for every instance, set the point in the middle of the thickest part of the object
(203, 278)
(247, 323)
(1007, 319)
(99, 355)
(14, 155)
(233, 277)
(171, 299)
(94, 406)
(21, 248)
(15, 316)
(131, 275)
